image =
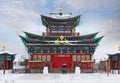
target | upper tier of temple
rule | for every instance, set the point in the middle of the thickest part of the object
(71, 22)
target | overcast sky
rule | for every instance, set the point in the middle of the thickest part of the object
(101, 16)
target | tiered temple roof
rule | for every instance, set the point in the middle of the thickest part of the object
(34, 41)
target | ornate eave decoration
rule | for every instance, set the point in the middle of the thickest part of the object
(61, 41)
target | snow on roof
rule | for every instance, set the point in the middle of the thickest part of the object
(64, 16)
(116, 54)
(6, 52)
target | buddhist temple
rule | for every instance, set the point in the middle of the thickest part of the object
(60, 47)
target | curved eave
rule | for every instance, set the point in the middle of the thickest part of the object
(30, 35)
(29, 40)
(98, 39)
(8, 54)
(59, 20)
(5, 52)
(116, 54)
(24, 40)
(35, 36)
(62, 45)
(94, 34)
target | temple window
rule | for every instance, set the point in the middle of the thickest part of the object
(87, 58)
(74, 57)
(44, 58)
(116, 65)
(83, 57)
(35, 57)
(54, 31)
(39, 58)
(78, 58)
(60, 31)
(48, 58)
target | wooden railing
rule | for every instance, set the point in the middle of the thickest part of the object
(59, 34)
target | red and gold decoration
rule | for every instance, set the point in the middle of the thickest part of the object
(61, 41)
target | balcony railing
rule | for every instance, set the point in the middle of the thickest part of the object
(59, 34)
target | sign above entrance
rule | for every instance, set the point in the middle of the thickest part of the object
(63, 55)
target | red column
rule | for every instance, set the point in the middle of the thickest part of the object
(29, 66)
(85, 56)
(118, 67)
(30, 70)
(57, 32)
(72, 33)
(92, 63)
(90, 57)
(12, 66)
(4, 66)
(50, 33)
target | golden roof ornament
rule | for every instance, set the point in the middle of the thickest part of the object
(3, 47)
(66, 41)
(61, 40)
(17, 33)
(60, 9)
(119, 48)
(56, 41)
(61, 37)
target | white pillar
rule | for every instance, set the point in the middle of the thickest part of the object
(45, 71)
(77, 70)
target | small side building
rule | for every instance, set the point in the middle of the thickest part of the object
(114, 61)
(6, 60)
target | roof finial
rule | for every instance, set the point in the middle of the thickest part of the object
(61, 10)
(3, 47)
(17, 33)
(49, 11)
(119, 48)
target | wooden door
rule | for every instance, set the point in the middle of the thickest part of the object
(57, 62)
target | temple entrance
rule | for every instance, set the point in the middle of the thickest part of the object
(59, 62)
(64, 69)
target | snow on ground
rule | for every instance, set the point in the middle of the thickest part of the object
(59, 78)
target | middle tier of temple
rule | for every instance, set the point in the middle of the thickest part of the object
(85, 43)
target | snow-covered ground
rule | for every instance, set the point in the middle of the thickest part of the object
(59, 78)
